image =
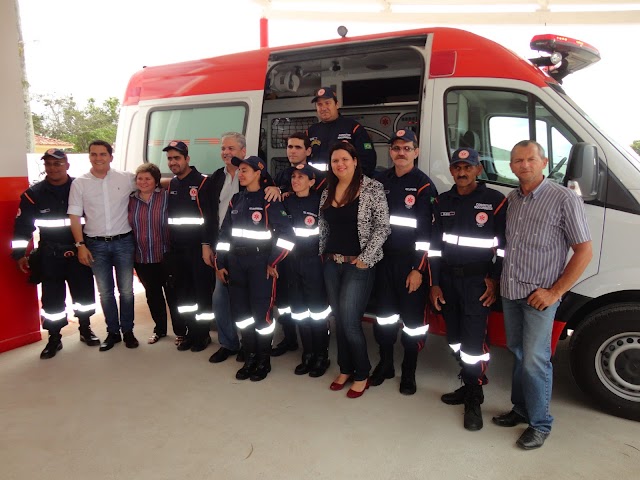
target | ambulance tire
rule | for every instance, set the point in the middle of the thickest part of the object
(605, 358)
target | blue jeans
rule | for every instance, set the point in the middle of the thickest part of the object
(348, 289)
(116, 254)
(529, 338)
(227, 333)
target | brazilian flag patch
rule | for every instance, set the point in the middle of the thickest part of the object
(368, 146)
(283, 213)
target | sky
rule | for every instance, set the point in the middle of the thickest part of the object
(75, 47)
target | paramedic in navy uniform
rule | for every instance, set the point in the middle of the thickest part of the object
(401, 294)
(189, 191)
(44, 205)
(256, 235)
(298, 149)
(305, 282)
(332, 128)
(469, 231)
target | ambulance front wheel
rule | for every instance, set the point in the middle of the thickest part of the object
(605, 358)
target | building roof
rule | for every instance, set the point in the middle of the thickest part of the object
(42, 140)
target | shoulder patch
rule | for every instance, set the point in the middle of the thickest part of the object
(368, 146)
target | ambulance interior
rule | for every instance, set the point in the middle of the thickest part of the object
(381, 86)
(381, 89)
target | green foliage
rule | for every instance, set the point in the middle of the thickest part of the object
(636, 146)
(64, 120)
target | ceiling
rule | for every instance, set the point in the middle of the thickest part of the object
(459, 12)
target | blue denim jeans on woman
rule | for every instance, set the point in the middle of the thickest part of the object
(116, 254)
(529, 338)
(348, 289)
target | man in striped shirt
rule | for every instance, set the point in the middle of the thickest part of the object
(544, 220)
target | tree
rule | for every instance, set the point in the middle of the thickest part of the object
(636, 146)
(62, 119)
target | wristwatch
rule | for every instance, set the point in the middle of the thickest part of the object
(77, 244)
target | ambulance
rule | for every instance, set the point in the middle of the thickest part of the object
(454, 89)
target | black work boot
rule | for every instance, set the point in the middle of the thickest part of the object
(263, 367)
(249, 366)
(456, 397)
(408, 379)
(472, 412)
(305, 367)
(86, 334)
(385, 369)
(53, 345)
(320, 365)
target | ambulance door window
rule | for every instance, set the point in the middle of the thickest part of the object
(200, 127)
(493, 121)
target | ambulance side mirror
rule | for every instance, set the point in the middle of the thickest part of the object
(582, 170)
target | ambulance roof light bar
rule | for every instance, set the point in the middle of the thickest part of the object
(566, 55)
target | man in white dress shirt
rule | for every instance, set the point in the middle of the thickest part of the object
(103, 195)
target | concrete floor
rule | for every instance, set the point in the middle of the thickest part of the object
(156, 413)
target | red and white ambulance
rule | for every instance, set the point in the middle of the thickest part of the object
(454, 89)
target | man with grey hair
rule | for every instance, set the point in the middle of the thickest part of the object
(225, 185)
(544, 220)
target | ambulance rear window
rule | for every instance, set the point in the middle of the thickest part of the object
(200, 127)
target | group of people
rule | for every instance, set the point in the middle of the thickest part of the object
(313, 243)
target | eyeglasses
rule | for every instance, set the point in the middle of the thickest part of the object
(405, 149)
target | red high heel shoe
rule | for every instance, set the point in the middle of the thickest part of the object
(353, 394)
(335, 386)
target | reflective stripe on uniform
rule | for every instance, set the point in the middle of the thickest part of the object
(455, 347)
(78, 307)
(390, 320)
(435, 253)
(253, 234)
(403, 221)
(306, 232)
(415, 332)
(286, 244)
(205, 316)
(300, 316)
(320, 315)
(473, 359)
(223, 247)
(245, 323)
(470, 241)
(53, 316)
(500, 252)
(186, 221)
(266, 330)
(424, 246)
(323, 167)
(188, 308)
(282, 311)
(19, 243)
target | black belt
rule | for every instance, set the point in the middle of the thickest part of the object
(478, 268)
(112, 237)
(244, 251)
